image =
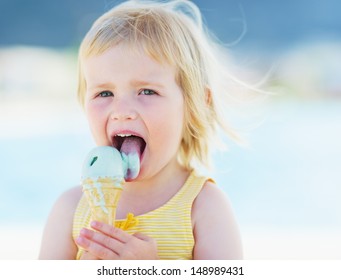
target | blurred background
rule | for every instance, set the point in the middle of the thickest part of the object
(285, 187)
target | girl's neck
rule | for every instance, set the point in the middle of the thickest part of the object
(143, 196)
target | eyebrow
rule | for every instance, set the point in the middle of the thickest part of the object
(136, 83)
(101, 86)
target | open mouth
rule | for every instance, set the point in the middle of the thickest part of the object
(128, 143)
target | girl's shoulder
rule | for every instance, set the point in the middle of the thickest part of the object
(215, 228)
(211, 201)
(209, 195)
(71, 196)
(67, 202)
(57, 240)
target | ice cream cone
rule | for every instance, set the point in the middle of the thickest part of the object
(103, 194)
(103, 175)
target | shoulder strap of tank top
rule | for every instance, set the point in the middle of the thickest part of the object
(191, 188)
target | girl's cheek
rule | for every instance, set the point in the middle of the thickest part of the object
(96, 115)
(97, 107)
(98, 103)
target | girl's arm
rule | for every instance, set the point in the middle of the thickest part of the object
(215, 229)
(57, 241)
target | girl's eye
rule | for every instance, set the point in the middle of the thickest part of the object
(147, 92)
(105, 93)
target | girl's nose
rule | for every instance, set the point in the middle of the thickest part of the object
(123, 112)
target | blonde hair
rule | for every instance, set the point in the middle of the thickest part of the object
(173, 33)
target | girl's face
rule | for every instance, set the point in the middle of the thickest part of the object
(128, 93)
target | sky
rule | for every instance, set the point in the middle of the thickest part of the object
(262, 25)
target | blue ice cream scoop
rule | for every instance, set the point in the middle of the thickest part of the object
(103, 161)
(107, 161)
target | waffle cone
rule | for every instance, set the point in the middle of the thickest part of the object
(103, 195)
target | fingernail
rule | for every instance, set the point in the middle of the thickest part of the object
(95, 224)
(83, 231)
(80, 240)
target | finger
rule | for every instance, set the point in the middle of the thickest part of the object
(114, 232)
(145, 238)
(102, 239)
(97, 250)
(142, 236)
(88, 256)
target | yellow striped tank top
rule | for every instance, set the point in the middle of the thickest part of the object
(170, 225)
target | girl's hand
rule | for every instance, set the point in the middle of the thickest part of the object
(110, 243)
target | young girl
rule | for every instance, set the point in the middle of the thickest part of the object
(148, 70)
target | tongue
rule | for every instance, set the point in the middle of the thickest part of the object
(131, 154)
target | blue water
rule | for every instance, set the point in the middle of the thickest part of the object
(288, 177)
(291, 174)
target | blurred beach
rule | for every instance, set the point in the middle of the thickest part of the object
(285, 186)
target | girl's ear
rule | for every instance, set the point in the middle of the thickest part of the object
(208, 96)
